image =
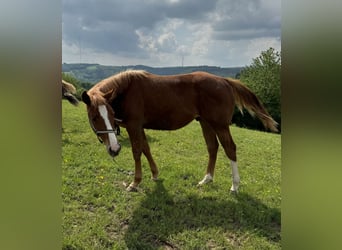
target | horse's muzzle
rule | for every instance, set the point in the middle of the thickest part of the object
(114, 152)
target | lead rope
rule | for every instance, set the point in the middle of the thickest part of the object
(116, 163)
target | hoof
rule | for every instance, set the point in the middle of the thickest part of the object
(130, 188)
(154, 178)
(207, 178)
(233, 192)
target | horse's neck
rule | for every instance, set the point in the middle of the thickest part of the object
(120, 85)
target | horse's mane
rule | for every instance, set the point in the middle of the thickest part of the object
(115, 84)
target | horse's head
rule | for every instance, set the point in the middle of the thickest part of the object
(102, 121)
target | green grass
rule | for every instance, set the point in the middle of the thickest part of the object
(172, 213)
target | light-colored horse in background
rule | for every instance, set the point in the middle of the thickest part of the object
(68, 92)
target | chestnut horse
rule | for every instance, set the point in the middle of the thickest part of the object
(138, 100)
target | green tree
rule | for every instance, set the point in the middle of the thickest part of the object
(263, 78)
(71, 79)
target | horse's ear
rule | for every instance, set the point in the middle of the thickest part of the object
(86, 98)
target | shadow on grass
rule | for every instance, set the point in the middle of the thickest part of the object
(161, 215)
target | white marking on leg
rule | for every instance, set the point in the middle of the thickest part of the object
(112, 138)
(207, 178)
(235, 176)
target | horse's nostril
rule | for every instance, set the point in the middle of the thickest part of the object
(116, 151)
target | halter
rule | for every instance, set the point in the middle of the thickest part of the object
(97, 132)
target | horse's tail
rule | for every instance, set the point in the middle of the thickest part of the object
(245, 98)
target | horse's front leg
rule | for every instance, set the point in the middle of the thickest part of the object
(136, 138)
(137, 175)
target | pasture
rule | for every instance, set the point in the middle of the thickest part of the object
(172, 213)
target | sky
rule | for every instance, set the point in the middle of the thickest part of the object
(162, 33)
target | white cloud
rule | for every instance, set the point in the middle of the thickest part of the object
(261, 44)
(160, 33)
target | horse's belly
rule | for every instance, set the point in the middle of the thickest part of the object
(168, 123)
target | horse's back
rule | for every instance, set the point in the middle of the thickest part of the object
(168, 102)
(171, 102)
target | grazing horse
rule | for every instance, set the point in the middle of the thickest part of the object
(67, 92)
(139, 100)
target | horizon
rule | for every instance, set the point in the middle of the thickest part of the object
(135, 65)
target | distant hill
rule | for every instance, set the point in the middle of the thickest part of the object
(93, 73)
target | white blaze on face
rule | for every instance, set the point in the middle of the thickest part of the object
(113, 142)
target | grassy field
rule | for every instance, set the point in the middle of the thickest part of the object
(172, 213)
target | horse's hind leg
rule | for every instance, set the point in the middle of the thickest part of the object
(147, 153)
(229, 146)
(212, 147)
